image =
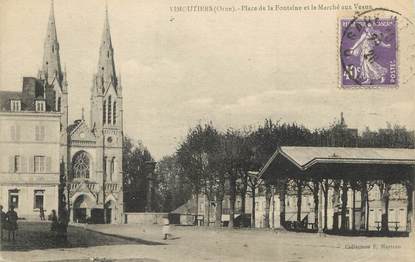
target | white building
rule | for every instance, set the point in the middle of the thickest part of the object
(29, 161)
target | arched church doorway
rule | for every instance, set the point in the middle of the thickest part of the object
(109, 211)
(82, 208)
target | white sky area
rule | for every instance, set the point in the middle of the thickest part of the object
(182, 68)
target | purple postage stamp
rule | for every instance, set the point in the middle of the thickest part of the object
(368, 52)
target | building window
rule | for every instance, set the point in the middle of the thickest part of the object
(104, 112)
(40, 133)
(104, 167)
(17, 164)
(40, 106)
(14, 198)
(59, 104)
(38, 199)
(80, 165)
(40, 164)
(114, 113)
(109, 110)
(15, 132)
(15, 105)
(112, 168)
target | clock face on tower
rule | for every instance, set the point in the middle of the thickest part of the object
(109, 139)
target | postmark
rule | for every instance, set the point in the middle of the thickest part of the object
(369, 51)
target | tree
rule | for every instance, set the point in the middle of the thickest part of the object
(193, 157)
(172, 191)
(232, 146)
(135, 154)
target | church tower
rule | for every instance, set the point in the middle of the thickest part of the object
(56, 85)
(107, 120)
(56, 91)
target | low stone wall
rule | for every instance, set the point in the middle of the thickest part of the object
(144, 218)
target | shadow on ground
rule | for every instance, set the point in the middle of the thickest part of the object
(108, 260)
(37, 236)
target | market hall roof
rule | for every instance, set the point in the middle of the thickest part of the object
(306, 157)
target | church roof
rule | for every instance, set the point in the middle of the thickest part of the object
(188, 208)
(79, 131)
(6, 96)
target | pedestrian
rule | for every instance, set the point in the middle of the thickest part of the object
(42, 213)
(11, 223)
(2, 221)
(54, 220)
(166, 227)
(63, 222)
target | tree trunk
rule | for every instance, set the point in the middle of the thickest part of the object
(299, 199)
(232, 199)
(282, 192)
(354, 210)
(243, 196)
(197, 209)
(218, 213)
(207, 205)
(316, 202)
(384, 190)
(367, 211)
(336, 203)
(326, 201)
(343, 226)
(253, 207)
(363, 201)
(273, 207)
(267, 204)
(409, 208)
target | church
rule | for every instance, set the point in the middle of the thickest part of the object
(82, 168)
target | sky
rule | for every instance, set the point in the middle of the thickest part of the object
(179, 69)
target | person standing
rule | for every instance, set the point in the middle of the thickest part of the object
(166, 227)
(54, 220)
(63, 222)
(11, 223)
(42, 213)
(2, 221)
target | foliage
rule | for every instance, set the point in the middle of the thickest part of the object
(135, 154)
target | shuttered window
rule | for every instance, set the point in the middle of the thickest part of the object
(15, 132)
(40, 133)
(40, 164)
(17, 164)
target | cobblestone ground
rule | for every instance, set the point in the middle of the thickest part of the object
(144, 243)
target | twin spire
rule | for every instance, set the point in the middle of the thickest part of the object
(51, 66)
(106, 66)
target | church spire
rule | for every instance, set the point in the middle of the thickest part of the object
(106, 65)
(51, 66)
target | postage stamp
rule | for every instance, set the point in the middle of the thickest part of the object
(368, 52)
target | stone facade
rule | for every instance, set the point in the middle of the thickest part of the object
(29, 162)
(87, 154)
